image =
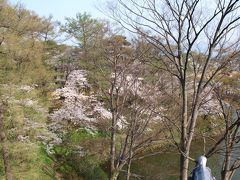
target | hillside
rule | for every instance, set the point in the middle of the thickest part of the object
(112, 103)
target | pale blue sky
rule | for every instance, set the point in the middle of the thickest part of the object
(62, 8)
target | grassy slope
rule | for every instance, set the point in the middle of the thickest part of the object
(27, 157)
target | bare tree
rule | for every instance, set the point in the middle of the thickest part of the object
(131, 114)
(227, 144)
(197, 38)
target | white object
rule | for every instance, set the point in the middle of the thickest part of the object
(201, 171)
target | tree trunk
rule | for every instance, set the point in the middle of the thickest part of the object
(113, 145)
(114, 175)
(129, 168)
(5, 152)
(184, 161)
(8, 171)
(226, 175)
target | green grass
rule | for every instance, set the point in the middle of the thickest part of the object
(71, 163)
(29, 161)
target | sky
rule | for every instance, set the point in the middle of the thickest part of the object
(60, 9)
